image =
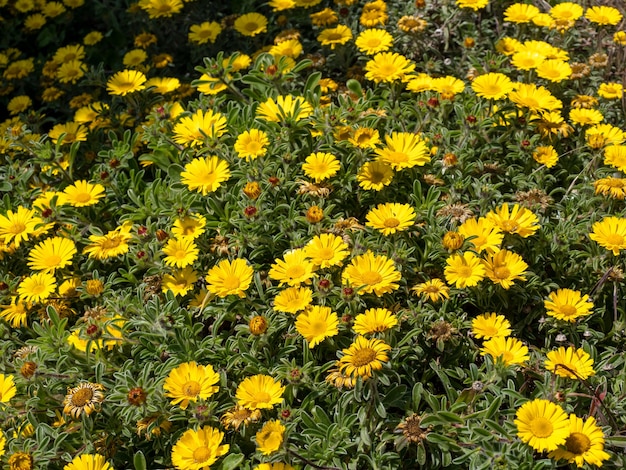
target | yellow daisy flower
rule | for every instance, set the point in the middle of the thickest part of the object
(230, 278)
(179, 282)
(490, 325)
(316, 324)
(259, 392)
(375, 175)
(326, 250)
(270, 437)
(434, 289)
(388, 67)
(251, 24)
(83, 193)
(294, 269)
(585, 443)
(404, 150)
(198, 449)
(391, 217)
(88, 461)
(205, 175)
(85, 398)
(610, 233)
(320, 166)
(334, 37)
(572, 363)
(251, 144)
(189, 382)
(37, 287)
(194, 130)
(51, 254)
(510, 350)
(370, 273)
(542, 424)
(464, 270)
(284, 108)
(374, 320)
(126, 81)
(568, 304)
(7, 388)
(113, 244)
(293, 299)
(363, 357)
(180, 252)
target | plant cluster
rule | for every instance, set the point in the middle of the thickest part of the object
(312, 234)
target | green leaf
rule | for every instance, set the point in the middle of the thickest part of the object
(231, 462)
(139, 461)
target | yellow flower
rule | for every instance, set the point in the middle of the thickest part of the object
(568, 304)
(510, 350)
(547, 156)
(448, 86)
(294, 269)
(205, 175)
(612, 187)
(473, 4)
(388, 67)
(179, 282)
(482, 233)
(180, 252)
(191, 226)
(493, 86)
(161, 8)
(370, 273)
(251, 144)
(363, 357)
(251, 24)
(71, 72)
(542, 424)
(519, 220)
(88, 461)
(504, 267)
(572, 363)
(326, 250)
(365, 138)
(610, 233)
(520, 13)
(239, 415)
(230, 278)
(51, 254)
(163, 85)
(375, 175)
(373, 41)
(85, 398)
(16, 313)
(204, 32)
(126, 81)
(534, 98)
(464, 270)
(19, 225)
(194, 130)
(293, 299)
(585, 116)
(611, 91)
(374, 320)
(603, 15)
(391, 217)
(37, 287)
(71, 131)
(189, 382)
(335, 36)
(434, 289)
(259, 392)
(198, 449)
(404, 150)
(554, 70)
(490, 325)
(320, 166)
(316, 324)
(7, 388)
(270, 437)
(284, 108)
(113, 244)
(585, 443)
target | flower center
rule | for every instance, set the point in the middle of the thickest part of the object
(191, 388)
(335, 37)
(82, 397)
(80, 197)
(252, 26)
(294, 272)
(464, 272)
(502, 272)
(180, 254)
(507, 356)
(38, 288)
(510, 226)
(325, 253)
(363, 357)
(391, 222)
(318, 328)
(568, 310)
(397, 157)
(263, 397)
(17, 227)
(111, 243)
(53, 260)
(615, 239)
(231, 282)
(371, 277)
(541, 427)
(578, 443)
(377, 177)
(201, 454)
